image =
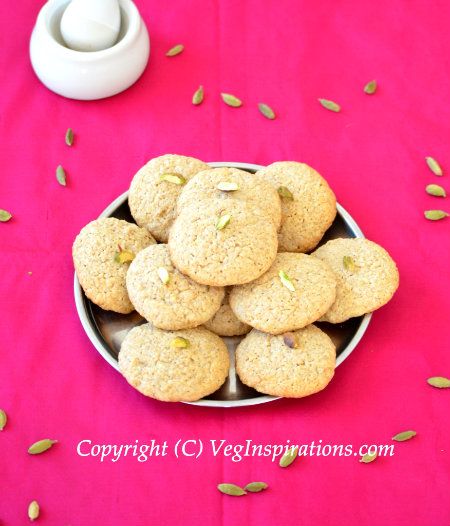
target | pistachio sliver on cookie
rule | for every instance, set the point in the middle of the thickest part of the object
(173, 178)
(286, 280)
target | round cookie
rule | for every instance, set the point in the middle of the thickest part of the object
(366, 279)
(95, 255)
(237, 253)
(251, 189)
(225, 323)
(293, 365)
(269, 304)
(152, 201)
(155, 367)
(178, 304)
(311, 210)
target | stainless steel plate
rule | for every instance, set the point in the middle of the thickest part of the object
(106, 329)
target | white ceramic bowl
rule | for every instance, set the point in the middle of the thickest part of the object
(88, 75)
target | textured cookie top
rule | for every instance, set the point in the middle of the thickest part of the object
(366, 280)
(164, 296)
(95, 253)
(250, 189)
(301, 295)
(237, 253)
(154, 366)
(224, 321)
(152, 200)
(311, 209)
(302, 367)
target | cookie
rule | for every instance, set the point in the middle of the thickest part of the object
(250, 189)
(221, 245)
(153, 364)
(296, 291)
(99, 272)
(178, 304)
(152, 200)
(308, 206)
(295, 365)
(225, 323)
(367, 277)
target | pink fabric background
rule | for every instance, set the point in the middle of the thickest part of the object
(287, 54)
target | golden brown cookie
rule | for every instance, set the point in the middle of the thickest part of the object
(154, 362)
(293, 365)
(367, 277)
(225, 323)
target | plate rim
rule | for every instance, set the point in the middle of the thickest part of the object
(99, 345)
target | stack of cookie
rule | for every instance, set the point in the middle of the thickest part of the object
(221, 252)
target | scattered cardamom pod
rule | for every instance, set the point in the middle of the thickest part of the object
(3, 419)
(42, 445)
(435, 215)
(124, 256)
(198, 96)
(33, 510)
(436, 190)
(286, 280)
(266, 110)
(285, 192)
(231, 489)
(175, 50)
(179, 343)
(289, 457)
(231, 100)
(349, 263)
(368, 457)
(227, 187)
(434, 166)
(69, 137)
(256, 487)
(223, 221)
(439, 381)
(173, 178)
(290, 340)
(163, 274)
(330, 105)
(371, 87)
(4, 216)
(61, 175)
(405, 435)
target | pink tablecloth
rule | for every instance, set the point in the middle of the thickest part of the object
(54, 384)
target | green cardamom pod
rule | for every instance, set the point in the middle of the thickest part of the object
(231, 100)
(256, 487)
(349, 263)
(285, 192)
(42, 445)
(266, 110)
(405, 435)
(69, 137)
(439, 381)
(289, 457)
(197, 98)
(4, 216)
(179, 343)
(3, 419)
(371, 87)
(61, 175)
(223, 221)
(175, 50)
(173, 178)
(33, 510)
(330, 105)
(368, 457)
(434, 166)
(231, 489)
(286, 280)
(435, 215)
(436, 190)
